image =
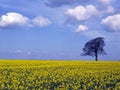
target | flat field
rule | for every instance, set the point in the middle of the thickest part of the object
(59, 75)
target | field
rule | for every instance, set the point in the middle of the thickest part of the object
(59, 75)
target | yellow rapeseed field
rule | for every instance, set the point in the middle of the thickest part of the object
(59, 75)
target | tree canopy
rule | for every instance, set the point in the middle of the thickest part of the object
(94, 47)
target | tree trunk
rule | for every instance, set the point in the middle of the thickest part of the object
(96, 57)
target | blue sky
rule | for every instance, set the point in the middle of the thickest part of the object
(57, 29)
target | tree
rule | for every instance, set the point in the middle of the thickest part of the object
(94, 47)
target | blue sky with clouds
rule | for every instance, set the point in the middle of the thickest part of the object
(57, 29)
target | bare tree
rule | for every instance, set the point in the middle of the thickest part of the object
(94, 47)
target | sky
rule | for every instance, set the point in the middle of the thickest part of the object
(58, 29)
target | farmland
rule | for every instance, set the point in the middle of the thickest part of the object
(59, 75)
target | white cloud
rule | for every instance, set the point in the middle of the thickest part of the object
(81, 13)
(93, 34)
(81, 28)
(108, 10)
(41, 21)
(13, 19)
(16, 20)
(19, 51)
(112, 23)
(58, 3)
(106, 1)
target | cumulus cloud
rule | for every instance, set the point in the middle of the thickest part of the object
(41, 21)
(58, 3)
(15, 20)
(81, 13)
(112, 23)
(81, 28)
